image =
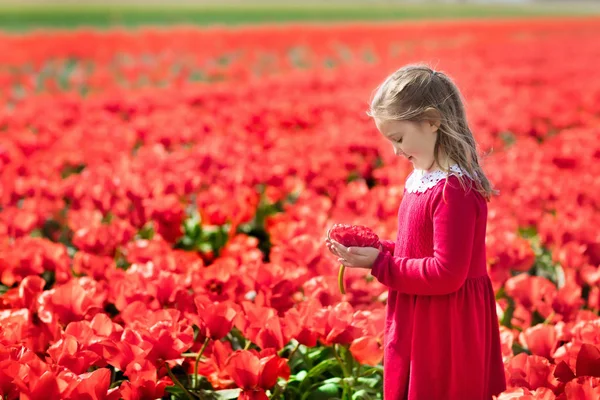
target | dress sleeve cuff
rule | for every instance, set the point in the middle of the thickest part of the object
(388, 245)
(377, 264)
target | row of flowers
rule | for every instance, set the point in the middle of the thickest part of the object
(88, 61)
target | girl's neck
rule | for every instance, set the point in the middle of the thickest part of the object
(444, 164)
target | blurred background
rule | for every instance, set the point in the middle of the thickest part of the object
(27, 14)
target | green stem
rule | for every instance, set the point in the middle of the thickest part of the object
(177, 383)
(371, 371)
(344, 392)
(550, 318)
(248, 344)
(293, 352)
(276, 392)
(344, 370)
(307, 361)
(342, 364)
(196, 379)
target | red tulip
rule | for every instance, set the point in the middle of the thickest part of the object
(367, 350)
(213, 366)
(335, 325)
(588, 361)
(540, 340)
(166, 332)
(77, 299)
(585, 388)
(526, 394)
(94, 386)
(262, 326)
(300, 322)
(145, 390)
(217, 317)
(531, 372)
(255, 373)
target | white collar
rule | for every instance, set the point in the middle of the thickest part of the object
(420, 180)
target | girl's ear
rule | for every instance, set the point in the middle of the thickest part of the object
(433, 118)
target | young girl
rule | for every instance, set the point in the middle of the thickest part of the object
(441, 333)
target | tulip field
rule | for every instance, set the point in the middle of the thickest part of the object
(166, 192)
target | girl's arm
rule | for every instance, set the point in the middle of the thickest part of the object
(454, 214)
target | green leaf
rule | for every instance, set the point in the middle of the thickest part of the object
(372, 370)
(122, 263)
(69, 170)
(3, 289)
(108, 218)
(147, 231)
(317, 371)
(518, 349)
(336, 380)
(48, 276)
(228, 394)
(299, 376)
(176, 391)
(353, 176)
(37, 233)
(537, 318)
(361, 395)
(369, 381)
(205, 247)
(316, 353)
(508, 313)
(116, 383)
(327, 391)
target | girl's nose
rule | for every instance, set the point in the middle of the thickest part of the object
(398, 151)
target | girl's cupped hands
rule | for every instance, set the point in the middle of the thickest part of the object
(353, 257)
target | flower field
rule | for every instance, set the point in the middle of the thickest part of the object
(165, 196)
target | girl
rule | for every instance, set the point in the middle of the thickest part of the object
(441, 333)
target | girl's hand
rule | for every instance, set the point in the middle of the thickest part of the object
(354, 257)
(330, 245)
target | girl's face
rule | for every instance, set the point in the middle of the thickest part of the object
(413, 140)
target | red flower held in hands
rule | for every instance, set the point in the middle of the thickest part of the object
(352, 236)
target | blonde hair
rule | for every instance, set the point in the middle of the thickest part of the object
(418, 93)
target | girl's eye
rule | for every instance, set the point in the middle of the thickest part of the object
(399, 140)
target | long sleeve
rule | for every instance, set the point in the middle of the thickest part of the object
(454, 213)
(388, 245)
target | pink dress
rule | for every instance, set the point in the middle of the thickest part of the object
(441, 333)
